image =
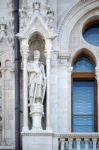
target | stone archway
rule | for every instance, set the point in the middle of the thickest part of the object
(67, 23)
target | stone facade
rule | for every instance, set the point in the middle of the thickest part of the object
(55, 28)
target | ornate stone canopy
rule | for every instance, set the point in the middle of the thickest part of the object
(41, 23)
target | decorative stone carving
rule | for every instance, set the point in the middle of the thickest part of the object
(2, 31)
(36, 9)
(36, 6)
(9, 65)
(50, 18)
(10, 23)
(37, 87)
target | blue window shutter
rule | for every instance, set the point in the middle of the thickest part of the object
(83, 106)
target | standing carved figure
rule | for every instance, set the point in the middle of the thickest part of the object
(37, 80)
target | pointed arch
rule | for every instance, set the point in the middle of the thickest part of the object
(84, 92)
(84, 52)
(37, 42)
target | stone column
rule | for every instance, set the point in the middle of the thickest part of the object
(70, 143)
(25, 85)
(3, 106)
(78, 143)
(70, 69)
(48, 49)
(62, 144)
(86, 143)
(97, 78)
(94, 143)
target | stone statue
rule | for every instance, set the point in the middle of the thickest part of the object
(37, 80)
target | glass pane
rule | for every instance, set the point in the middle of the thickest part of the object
(83, 65)
(91, 35)
(83, 106)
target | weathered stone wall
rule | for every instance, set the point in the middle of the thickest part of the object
(70, 18)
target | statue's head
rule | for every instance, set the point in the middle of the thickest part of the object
(36, 54)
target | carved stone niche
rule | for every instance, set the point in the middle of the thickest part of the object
(37, 42)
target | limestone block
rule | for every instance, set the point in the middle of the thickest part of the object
(9, 94)
(9, 84)
(36, 142)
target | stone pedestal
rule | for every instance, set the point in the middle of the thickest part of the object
(36, 113)
(37, 141)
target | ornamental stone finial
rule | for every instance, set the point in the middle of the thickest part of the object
(36, 6)
(50, 15)
(2, 31)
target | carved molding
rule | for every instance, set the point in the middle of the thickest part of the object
(59, 135)
(69, 20)
(37, 8)
(38, 21)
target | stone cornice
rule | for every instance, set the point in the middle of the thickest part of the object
(60, 135)
(37, 133)
(63, 55)
(7, 147)
(77, 135)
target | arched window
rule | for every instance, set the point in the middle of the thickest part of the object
(84, 96)
(91, 34)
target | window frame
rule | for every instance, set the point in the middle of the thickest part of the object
(85, 76)
(88, 26)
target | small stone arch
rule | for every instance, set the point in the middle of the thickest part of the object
(37, 42)
(84, 52)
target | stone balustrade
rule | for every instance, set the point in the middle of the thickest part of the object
(79, 141)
